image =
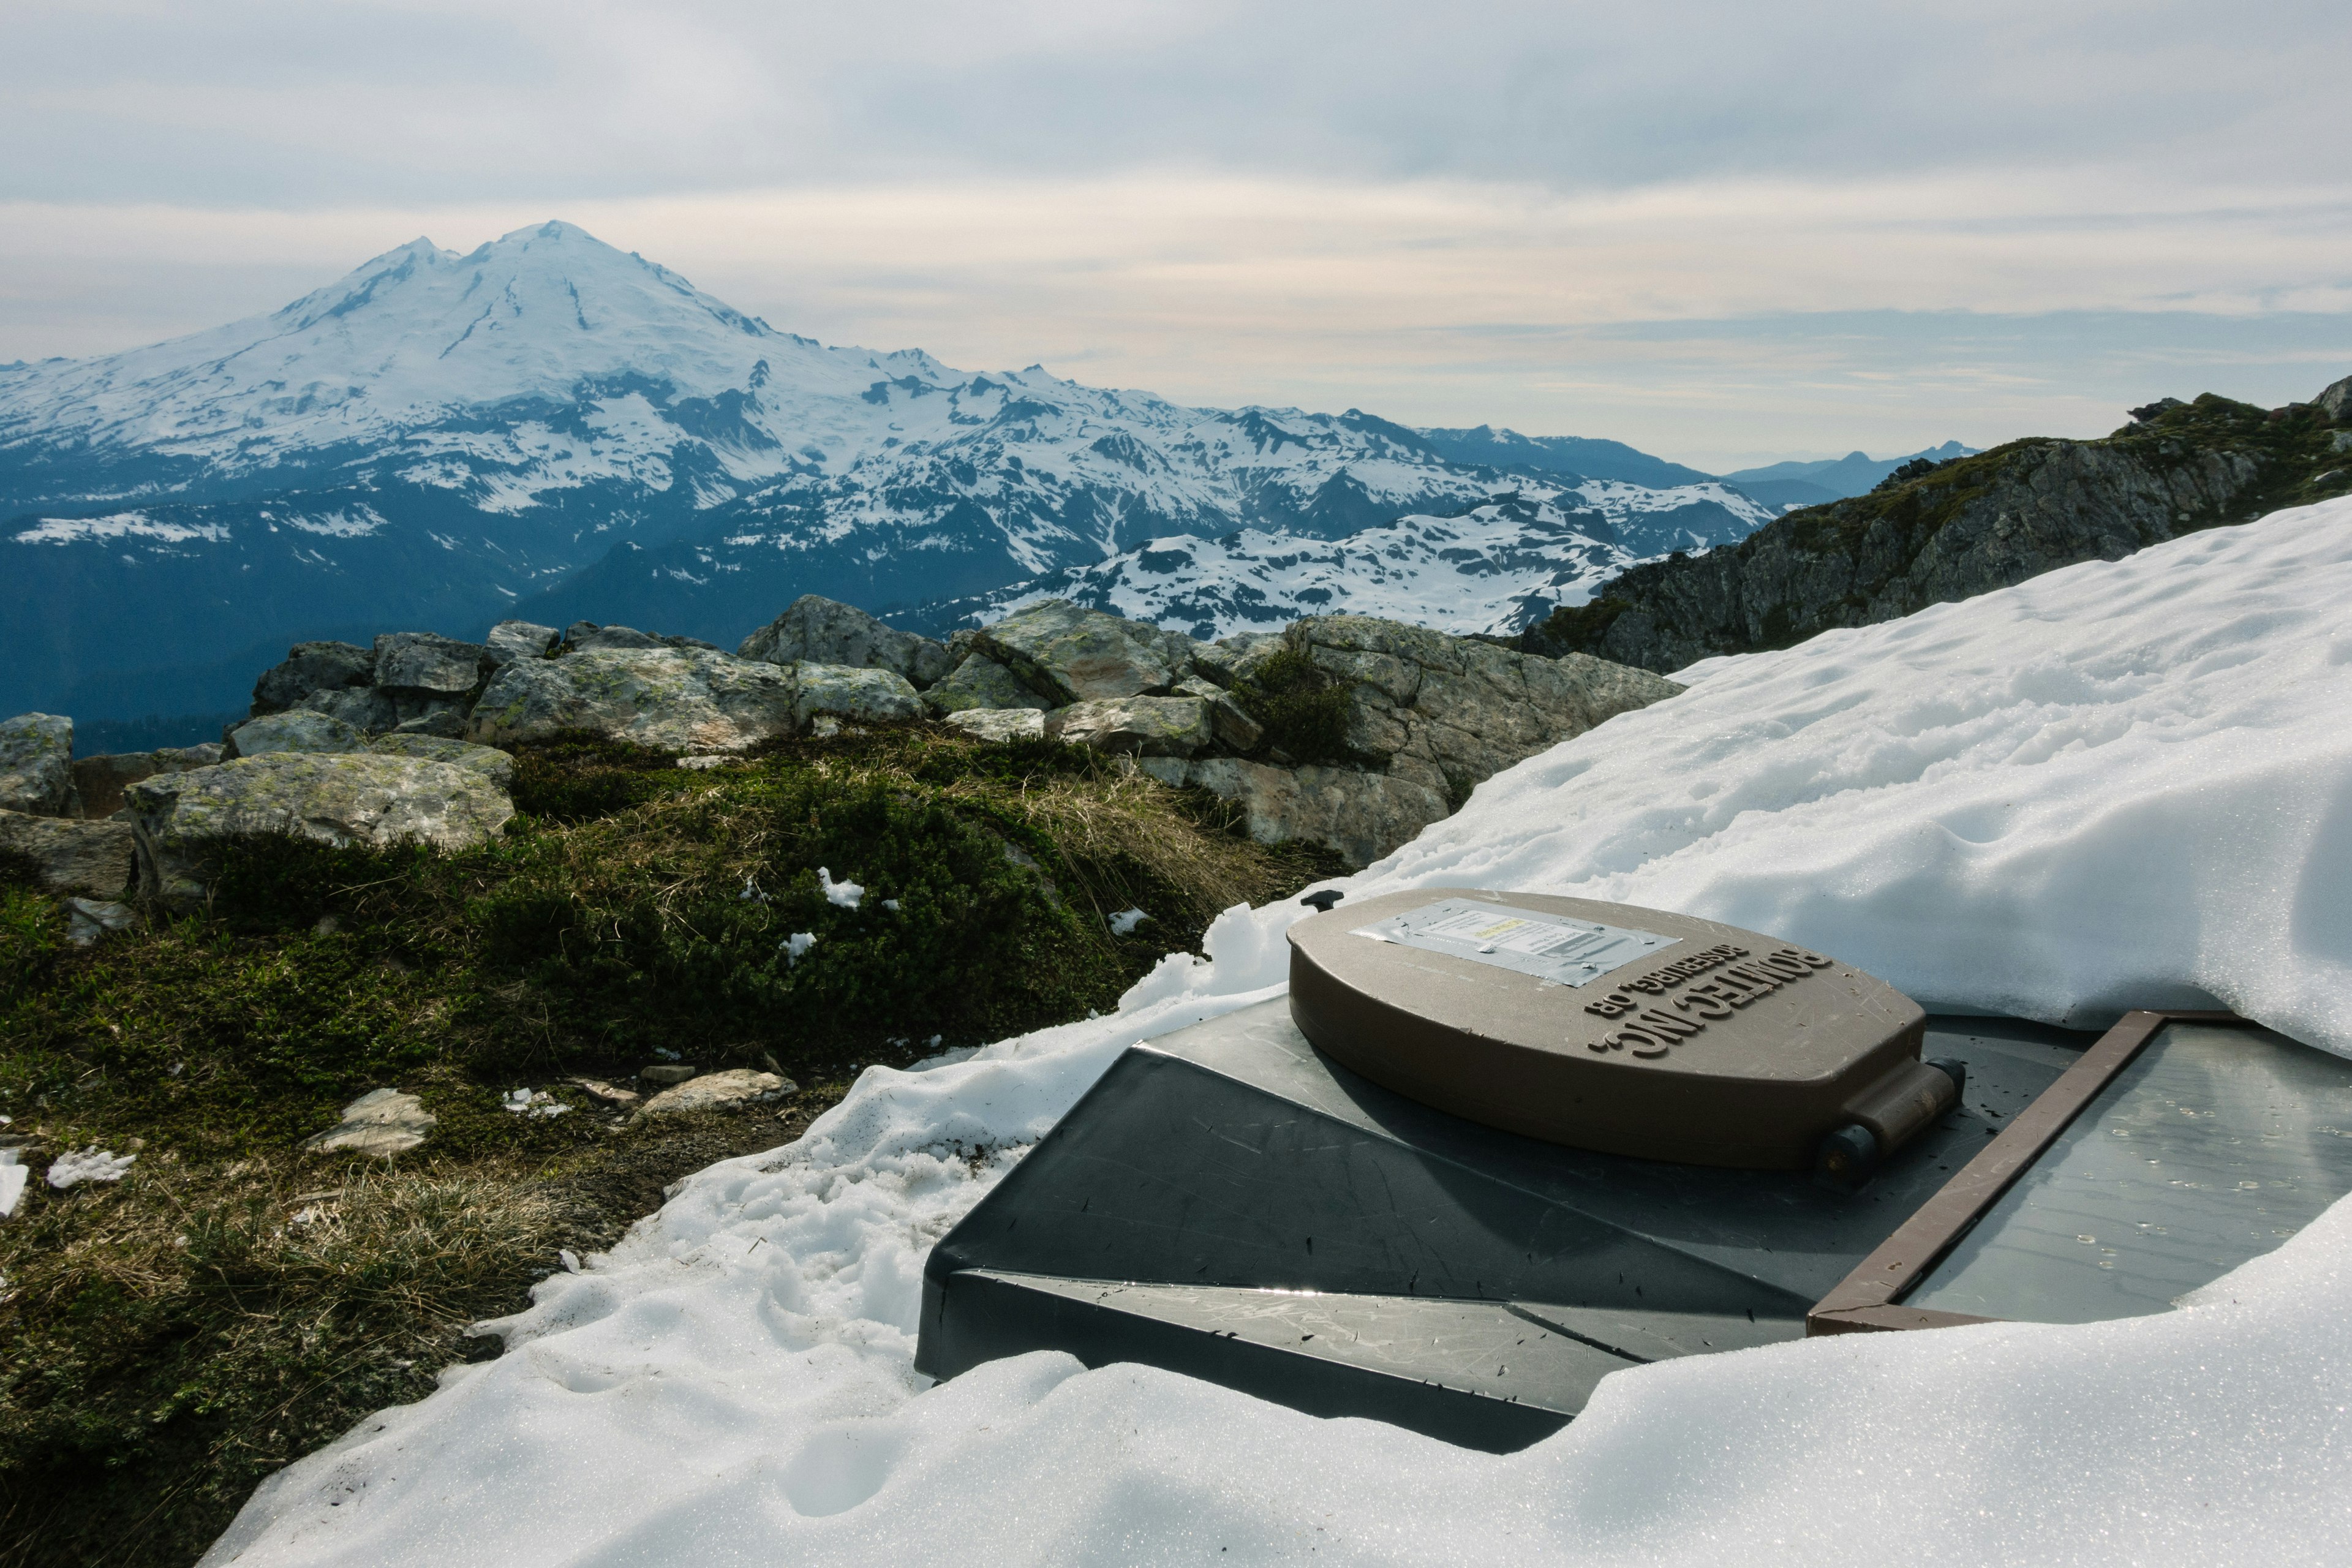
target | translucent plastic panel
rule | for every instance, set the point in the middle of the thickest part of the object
(2216, 1144)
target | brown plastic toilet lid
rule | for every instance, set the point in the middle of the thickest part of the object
(1606, 1026)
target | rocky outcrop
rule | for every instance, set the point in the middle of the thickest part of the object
(981, 682)
(1448, 712)
(689, 702)
(1073, 655)
(1966, 528)
(853, 693)
(37, 764)
(70, 856)
(353, 797)
(511, 641)
(299, 730)
(815, 630)
(1412, 719)
(1136, 726)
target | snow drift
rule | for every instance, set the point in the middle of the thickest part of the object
(2117, 784)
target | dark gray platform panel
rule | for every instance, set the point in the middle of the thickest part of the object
(1228, 1203)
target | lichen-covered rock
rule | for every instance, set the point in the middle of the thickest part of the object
(1076, 655)
(511, 641)
(423, 663)
(310, 669)
(488, 761)
(847, 691)
(815, 630)
(1360, 817)
(1235, 658)
(1144, 726)
(349, 797)
(686, 702)
(37, 764)
(1449, 712)
(297, 729)
(367, 708)
(1000, 723)
(1235, 730)
(981, 682)
(71, 856)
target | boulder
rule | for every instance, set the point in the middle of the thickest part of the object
(382, 1122)
(1236, 658)
(1360, 817)
(736, 1086)
(1448, 712)
(1147, 726)
(689, 702)
(311, 667)
(815, 630)
(1235, 730)
(1075, 655)
(1000, 723)
(71, 856)
(846, 691)
(488, 761)
(297, 729)
(37, 764)
(982, 682)
(2336, 402)
(511, 641)
(100, 781)
(427, 665)
(364, 708)
(87, 920)
(351, 797)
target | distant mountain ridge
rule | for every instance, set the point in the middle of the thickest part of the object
(548, 427)
(1496, 568)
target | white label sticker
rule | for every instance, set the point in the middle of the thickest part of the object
(1558, 948)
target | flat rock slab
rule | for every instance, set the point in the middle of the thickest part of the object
(354, 797)
(420, 661)
(71, 854)
(736, 1086)
(817, 630)
(1142, 726)
(1076, 655)
(980, 683)
(684, 701)
(1000, 723)
(37, 764)
(383, 1121)
(297, 730)
(849, 691)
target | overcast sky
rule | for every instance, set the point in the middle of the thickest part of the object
(1722, 232)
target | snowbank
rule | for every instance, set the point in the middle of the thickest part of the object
(2116, 785)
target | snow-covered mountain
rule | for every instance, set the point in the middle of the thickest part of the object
(1495, 567)
(550, 427)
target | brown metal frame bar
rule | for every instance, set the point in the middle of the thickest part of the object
(1865, 1300)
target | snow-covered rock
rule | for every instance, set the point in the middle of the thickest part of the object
(2118, 784)
(1497, 567)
